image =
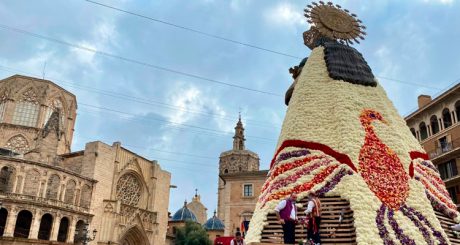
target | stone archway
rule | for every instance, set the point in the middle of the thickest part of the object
(134, 236)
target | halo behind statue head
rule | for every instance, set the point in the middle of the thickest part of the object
(335, 22)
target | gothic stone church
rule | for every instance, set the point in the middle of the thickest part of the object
(49, 192)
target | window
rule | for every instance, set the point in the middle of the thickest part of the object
(17, 144)
(434, 124)
(129, 189)
(453, 193)
(26, 113)
(457, 110)
(446, 117)
(448, 170)
(247, 190)
(444, 145)
(412, 130)
(423, 131)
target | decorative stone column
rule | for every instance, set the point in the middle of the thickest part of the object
(55, 229)
(441, 123)
(10, 222)
(35, 225)
(71, 233)
(430, 132)
(21, 191)
(454, 117)
(63, 190)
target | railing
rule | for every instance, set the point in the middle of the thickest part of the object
(46, 201)
(445, 148)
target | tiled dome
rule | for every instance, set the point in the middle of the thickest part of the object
(184, 214)
(214, 224)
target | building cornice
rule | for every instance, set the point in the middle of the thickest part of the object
(433, 102)
(43, 165)
(245, 175)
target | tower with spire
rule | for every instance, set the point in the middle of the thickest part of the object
(238, 139)
(239, 182)
(238, 159)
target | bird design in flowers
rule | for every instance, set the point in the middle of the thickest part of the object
(378, 165)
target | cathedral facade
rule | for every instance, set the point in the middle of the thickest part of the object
(240, 181)
(49, 193)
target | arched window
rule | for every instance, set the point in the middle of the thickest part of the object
(3, 217)
(423, 131)
(7, 175)
(18, 144)
(23, 222)
(457, 110)
(32, 182)
(26, 111)
(226, 171)
(79, 232)
(63, 230)
(85, 198)
(46, 224)
(412, 130)
(129, 189)
(70, 192)
(53, 187)
(447, 118)
(434, 124)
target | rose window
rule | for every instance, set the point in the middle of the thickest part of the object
(129, 189)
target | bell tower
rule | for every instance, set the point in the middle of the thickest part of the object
(238, 159)
(238, 139)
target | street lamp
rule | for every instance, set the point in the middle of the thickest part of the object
(85, 236)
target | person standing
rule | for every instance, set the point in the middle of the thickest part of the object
(286, 212)
(313, 213)
(238, 239)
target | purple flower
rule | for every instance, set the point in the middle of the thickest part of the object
(398, 231)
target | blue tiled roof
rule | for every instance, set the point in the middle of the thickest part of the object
(213, 224)
(184, 214)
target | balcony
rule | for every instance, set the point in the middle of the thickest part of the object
(13, 197)
(442, 148)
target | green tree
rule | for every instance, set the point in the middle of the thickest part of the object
(192, 234)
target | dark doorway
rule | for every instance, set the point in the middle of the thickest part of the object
(45, 227)
(23, 223)
(3, 217)
(63, 230)
(77, 239)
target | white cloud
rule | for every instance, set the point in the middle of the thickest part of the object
(84, 56)
(103, 37)
(285, 14)
(192, 102)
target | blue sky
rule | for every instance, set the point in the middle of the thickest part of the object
(414, 42)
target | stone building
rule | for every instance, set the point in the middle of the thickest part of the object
(198, 208)
(178, 220)
(48, 192)
(240, 182)
(436, 125)
(214, 227)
